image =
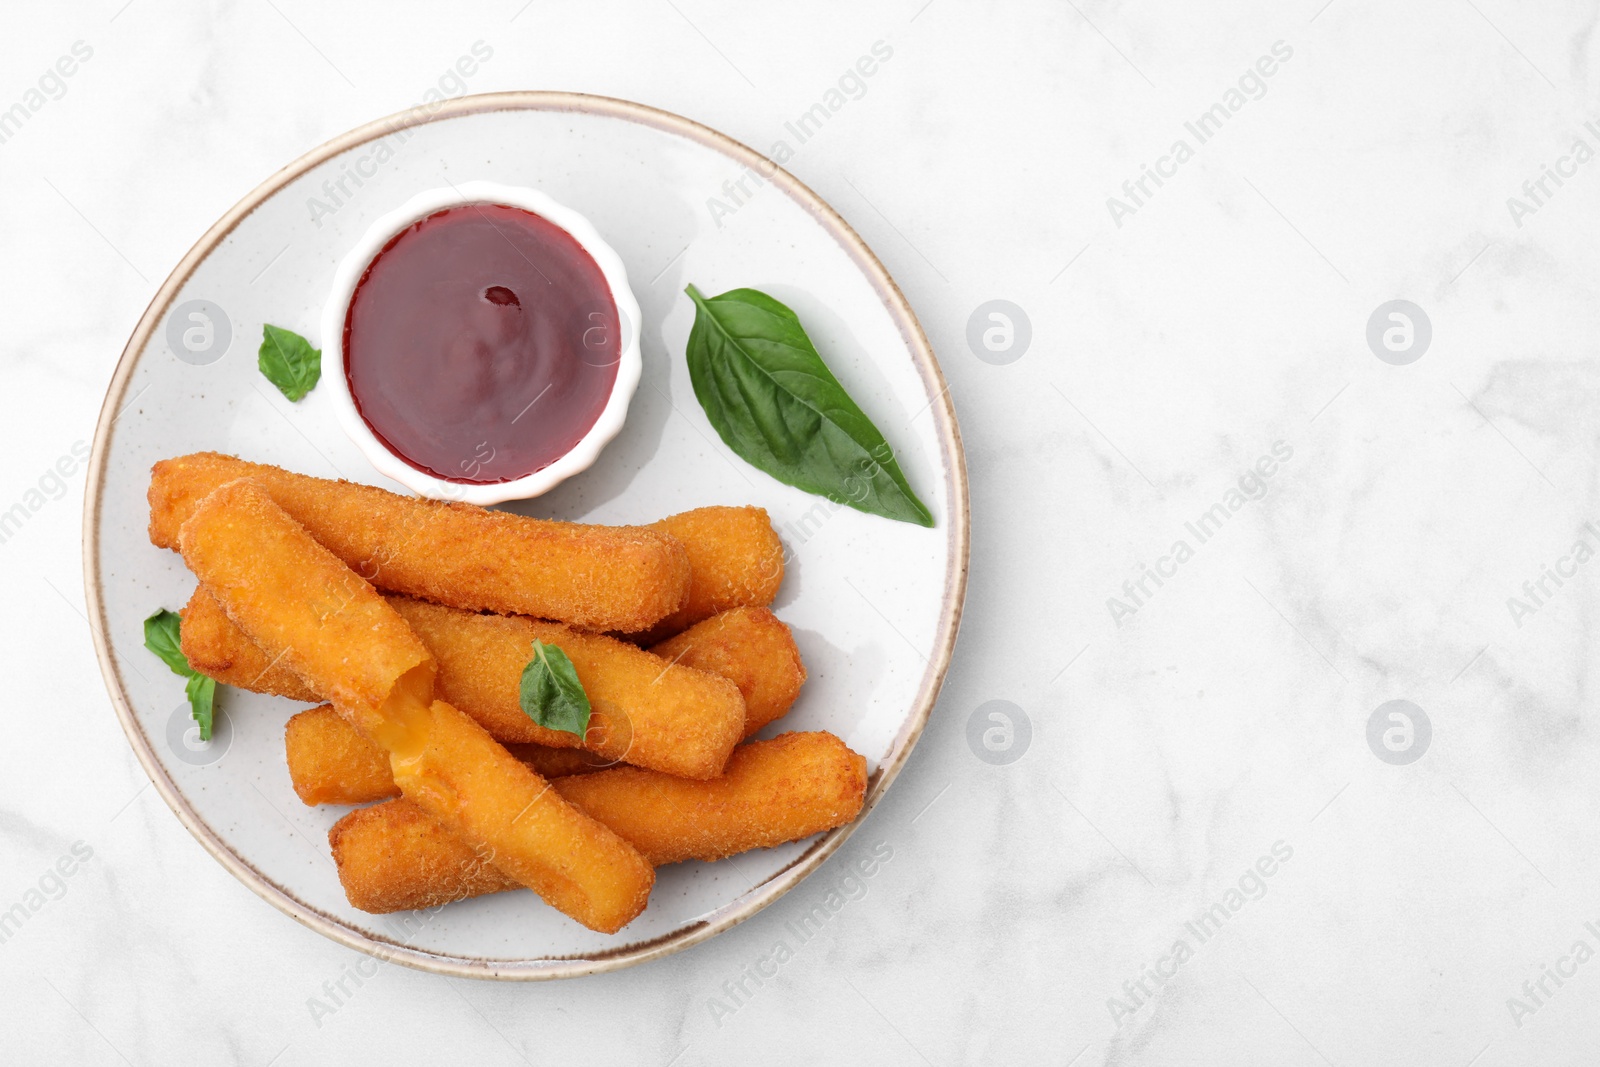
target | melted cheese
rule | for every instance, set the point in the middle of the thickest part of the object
(403, 723)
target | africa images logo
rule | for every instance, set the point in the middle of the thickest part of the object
(1399, 732)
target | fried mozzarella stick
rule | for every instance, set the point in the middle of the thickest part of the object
(216, 647)
(670, 717)
(752, 649)
(621, 578)
(393, 857)
(644, 710)
(735, 561)
(331, 763)
(296, 600)
(793, 786)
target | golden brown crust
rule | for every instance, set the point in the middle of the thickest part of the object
(296, 601)
(751, 648)
(735, 561)
(511, 816)
(550, 762)
(293, 597)
(372, 845)
(467, 801)
(622, 578)
(216, 647)
(747, 646)
(674, 718)
(791, 787)
(331, 763)
(651, 713)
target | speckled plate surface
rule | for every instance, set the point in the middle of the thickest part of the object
(874, 604)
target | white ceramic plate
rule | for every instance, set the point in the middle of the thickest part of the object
(874, 604)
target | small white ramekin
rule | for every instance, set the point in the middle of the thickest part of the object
(348, 275)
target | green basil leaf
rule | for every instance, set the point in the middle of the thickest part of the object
(289, 361)
(774, 402)
(551, 693)
(161, 637)
(202, 694)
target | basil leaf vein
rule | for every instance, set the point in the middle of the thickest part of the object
(776, 404)
(288, 361)
(551, 693)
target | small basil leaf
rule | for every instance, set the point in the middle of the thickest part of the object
(161, 637)
(202, 694)
(288, 361)
(551, 693)
(775, 402)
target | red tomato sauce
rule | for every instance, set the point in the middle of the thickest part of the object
(481, 343)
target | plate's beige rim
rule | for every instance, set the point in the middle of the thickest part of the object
(729, 915)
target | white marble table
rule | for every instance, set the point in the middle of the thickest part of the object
(1192, 854)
